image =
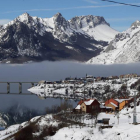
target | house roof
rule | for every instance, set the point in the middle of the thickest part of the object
(107, 107)
(86, 101)
(89, 102)
(121, 100)
(78, 107)
(113, 104)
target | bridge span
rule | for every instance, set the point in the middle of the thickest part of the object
(20, 85)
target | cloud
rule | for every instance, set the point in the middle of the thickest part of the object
(69, 8)
(4, 21)
(91, 1)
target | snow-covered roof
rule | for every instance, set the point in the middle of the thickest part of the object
(78, 107)
(89, 76)
(108, 107)
(121, 100)
(114, 104)
(89, 102)
(102, 106)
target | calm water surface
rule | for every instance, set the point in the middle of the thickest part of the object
(51, 71)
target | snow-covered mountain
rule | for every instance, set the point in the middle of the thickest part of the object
(125, 48)
(33, 38)
(94, 26)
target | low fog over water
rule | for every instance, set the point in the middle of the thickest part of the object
(51, 71)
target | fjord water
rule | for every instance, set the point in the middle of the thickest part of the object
(51, 71)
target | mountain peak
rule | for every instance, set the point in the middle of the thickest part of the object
(59, 19)
(58, 14)
(89, 20)
(24, 17)
(135, 24)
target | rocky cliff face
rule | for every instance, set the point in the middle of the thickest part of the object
(32, 38)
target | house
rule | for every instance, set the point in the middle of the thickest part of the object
(78, 108)
(112, 105)
(105, 108)
(42, 82)
(121, 76)
(89, 77)
(111, 100)
(98, 79)
(88, 106)
(118, 104)
(122, 103)
(113, 77)
(104, 121)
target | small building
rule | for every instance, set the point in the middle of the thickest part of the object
(90, 106)
(104, 121)
(98, 78)
(122, 103)
(111, 100)
(89, 77)
(112, 105)
(105, 108)
(118, 104)
(42, 82)
(78, 108)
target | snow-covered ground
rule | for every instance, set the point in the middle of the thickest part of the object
(122, 129)
(41, 122)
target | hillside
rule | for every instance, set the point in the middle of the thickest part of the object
(86, 129)
(123, 49)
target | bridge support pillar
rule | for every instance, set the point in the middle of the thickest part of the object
(32, 84)
(8, 88)
(20, 88)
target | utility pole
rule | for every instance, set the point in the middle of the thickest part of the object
(118, 116)
(134, 112)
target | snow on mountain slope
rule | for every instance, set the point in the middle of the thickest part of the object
(102, 32)
(28, 38)
(125, 48)
(94, 26)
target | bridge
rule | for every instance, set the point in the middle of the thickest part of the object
(20, 84)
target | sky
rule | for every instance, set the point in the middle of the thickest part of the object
(120, 17)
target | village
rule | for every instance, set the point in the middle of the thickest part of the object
(94, 95)
(90, 79)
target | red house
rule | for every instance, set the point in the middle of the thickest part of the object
(89, 106)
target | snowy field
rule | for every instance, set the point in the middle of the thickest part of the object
(122, 129)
